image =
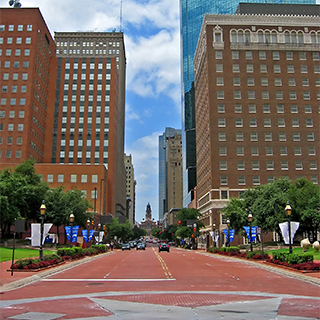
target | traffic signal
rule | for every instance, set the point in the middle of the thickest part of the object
(179, 223)
(104, 227)
(194, 229)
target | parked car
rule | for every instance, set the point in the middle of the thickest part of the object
(164, 247)
(126, 246)
(141, 246)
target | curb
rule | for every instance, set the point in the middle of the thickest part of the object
(46, 273)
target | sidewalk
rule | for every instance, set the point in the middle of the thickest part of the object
(22, 278)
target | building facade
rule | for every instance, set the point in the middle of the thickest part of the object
(170, 171)
(148, 223)
(257, 98)
(191, 17)
(27, 57)
(63, 103)
(130, 189)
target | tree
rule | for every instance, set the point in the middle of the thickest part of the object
(156, 232)
(21, 194)
(305, 202)
(137, 233)
(121, 231)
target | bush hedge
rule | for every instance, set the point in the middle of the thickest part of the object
(63, 254)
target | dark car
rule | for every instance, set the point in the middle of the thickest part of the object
(126, 246)
(164, 247)
(141, 246)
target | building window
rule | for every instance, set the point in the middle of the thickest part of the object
(313, 165)
(263, 68)
(223, 180)
(256, 180)
(265, 94)
(50, 178)
(249, 68)
(219, 67)
(239, 122)
(295, 122)
(250, 81)
(253, 122)
(255, 165)
(264, 82)
(251, 94)
(270, 165)
(241, 180)
(84, 178)
(221, 108)
(235, 54)
(267, 136)
(279, 95)
(310, 136)
(281, 122)
(238, 108)
(266, 108)
(239, 136)
(241, 165)
(220, 94)
(280, 108)
(294, 108)
(297, 151)
(252, 108)
(94, 178)
(235, 68)
(283, 151)
(254, 151)
(222, 151)
(237, 94)
(94, 194)
(60, 178)
(253, 136)
(284, 165)
(312, 151)
(219, 81)
(223, 165)
(296, 136)
(309, 122)
(299, 165)
(276, 55)
(240, 151)
(269, 151)
(276, 68)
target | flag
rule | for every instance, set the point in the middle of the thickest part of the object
(285, 230)
(36, 233)
(231, 232)
(253, 232)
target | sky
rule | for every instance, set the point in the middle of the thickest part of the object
(153, 81)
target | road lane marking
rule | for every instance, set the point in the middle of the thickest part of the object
(107, 280)
(163, 265)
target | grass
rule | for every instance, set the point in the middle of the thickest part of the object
(6, 253)
(316, 255)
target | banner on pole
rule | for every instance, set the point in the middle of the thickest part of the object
(36, 233)
(253, 232)
(85, 234)
(231, 232)
(214, 236)
(284, 227)
(74, 232)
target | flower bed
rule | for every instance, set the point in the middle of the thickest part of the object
(235, 252)
(62, 255)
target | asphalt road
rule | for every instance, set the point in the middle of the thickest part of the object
(149, 284)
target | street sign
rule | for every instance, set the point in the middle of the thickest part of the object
(190, 223)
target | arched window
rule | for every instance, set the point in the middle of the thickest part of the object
(274, 37)
(260, 37)
(233, 37)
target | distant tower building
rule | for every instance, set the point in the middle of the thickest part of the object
(170, 171)
(148, 223)
(130, 189)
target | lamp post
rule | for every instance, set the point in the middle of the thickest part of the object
(228, 224)
(71, 217)
(250, 232)
(42, 213)
(88, 225)
(288, 210)
(214, 234)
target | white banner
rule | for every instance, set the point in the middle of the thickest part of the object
(36, 233)
(285, 230)
(214, 236)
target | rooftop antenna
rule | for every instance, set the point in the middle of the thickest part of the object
(15, 3)
(121, 16)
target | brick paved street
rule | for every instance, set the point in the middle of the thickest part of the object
(150, 285)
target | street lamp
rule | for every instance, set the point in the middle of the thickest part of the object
(71, 218)
(228, 224)
(288, 210)
(214, 234)
(88, 225)
(42, 213)
(250, 232)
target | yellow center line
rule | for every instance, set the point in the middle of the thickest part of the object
(163, 265)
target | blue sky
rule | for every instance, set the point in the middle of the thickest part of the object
(151, 35)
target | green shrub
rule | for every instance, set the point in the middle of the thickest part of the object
(66, 252)
(89, 251)
(292, 258)
(77, 250)
(47, 257)
(99, 247)
(229, 249)
(257, 254)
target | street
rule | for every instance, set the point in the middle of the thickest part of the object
(148, 284)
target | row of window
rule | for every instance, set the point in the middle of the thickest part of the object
(87, 51)
(254, 136)
(82, 98)
(8, 154)
(263, 68)
(14, 89)
(88, 143)
(264, 82)
(83, 87)
(263, 55)
(16, 64)
(90, 109)
(12, 114)
(17, 52)
(255, 180)
(265, 95)
(19, 27)
(74, 178)
(15, 76)
(281, 122)
(84, 76)
(78, 154)
(13, 101)
(252, 108)
(11, 127)
(269, 165)
(10, 40)
(86, 43)
(283, 151)
(10, 140)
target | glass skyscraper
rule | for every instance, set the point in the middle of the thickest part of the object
(191, 17)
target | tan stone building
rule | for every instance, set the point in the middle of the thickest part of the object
(130, 189)
(257, 96)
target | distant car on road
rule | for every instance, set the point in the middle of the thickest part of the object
(141, 246)
(164, 247)
(126, 246)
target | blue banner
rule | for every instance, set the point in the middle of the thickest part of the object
(85, 234)
(253, 232)
(74, 232)
(231, 232)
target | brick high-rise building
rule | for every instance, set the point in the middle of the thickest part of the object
(130, 189)
(27, 57)
(257, 98)
(63, 103)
